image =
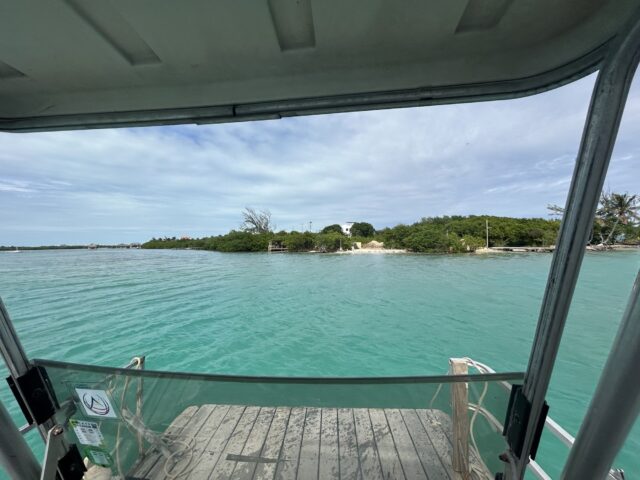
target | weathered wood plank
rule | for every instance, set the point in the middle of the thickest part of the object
(287, 468)
(348, 445)
(475, 461)
(225, 466)
(370, 466)
(329, 466)
(267, 443)
(389, 460)
(439, 440)
(428, 455)
(214, 421)
(213, 450)
(411, 465)
(251, 453)
(310, 448)
(189, 441)
(153, 456)
(273, 445)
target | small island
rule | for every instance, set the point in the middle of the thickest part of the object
(616, 226)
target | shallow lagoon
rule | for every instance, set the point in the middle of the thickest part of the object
(317, 315)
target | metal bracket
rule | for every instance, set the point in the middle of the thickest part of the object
(517, 418)
(34, 395)
(23, 406)
(69, 464)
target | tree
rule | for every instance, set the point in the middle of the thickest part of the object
(616, 209)
(335, 228)
(256, 222)
(362, 229)
(555, 210)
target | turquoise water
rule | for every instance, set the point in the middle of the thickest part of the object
(317, 315)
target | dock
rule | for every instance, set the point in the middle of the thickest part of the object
(276, 248)
(549, 249)
(248, 442)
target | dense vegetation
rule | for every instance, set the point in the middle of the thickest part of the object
(617, 221)
(433, 235)
(461, 234)
(362, 229)
(238, 241)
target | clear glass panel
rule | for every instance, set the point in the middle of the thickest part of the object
(148, 424)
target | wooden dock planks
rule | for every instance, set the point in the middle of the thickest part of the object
(247, 443)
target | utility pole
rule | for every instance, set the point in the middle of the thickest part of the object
(310, 223)
(487, 224)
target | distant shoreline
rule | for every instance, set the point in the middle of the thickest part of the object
(360, 251)
(551, 249)
(19, 248)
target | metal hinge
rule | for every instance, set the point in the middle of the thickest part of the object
(34, 394)
(516, 422)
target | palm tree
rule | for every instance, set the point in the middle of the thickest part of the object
(619, 208)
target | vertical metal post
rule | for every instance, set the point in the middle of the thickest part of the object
(615, 404)
(14, 355)
(598, 138)
(10, 346)
(18, 364)
(15, 455)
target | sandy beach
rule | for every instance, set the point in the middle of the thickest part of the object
(363, 251)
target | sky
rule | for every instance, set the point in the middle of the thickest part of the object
(508, 158)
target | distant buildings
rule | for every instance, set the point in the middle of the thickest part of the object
(346, 228)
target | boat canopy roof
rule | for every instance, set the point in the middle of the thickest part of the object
(70, 64)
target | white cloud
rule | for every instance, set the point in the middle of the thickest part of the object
(506, 158)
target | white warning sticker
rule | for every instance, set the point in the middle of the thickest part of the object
(96, 403)
(88, 433)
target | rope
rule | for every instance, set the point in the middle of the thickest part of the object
(479, 406)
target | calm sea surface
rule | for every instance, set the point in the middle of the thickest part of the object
(317, 315)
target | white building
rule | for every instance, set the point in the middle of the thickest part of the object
(346, 228)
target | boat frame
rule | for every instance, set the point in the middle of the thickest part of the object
(616, 402)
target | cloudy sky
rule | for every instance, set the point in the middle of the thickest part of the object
(388, 167)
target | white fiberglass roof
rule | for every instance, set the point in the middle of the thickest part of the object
(83, 63)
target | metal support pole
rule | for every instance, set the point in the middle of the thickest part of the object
(18, 364)
(10, 346)
(598, 138)
(615, 404)
(15, 455)
(15, 357)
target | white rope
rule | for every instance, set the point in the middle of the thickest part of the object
(479, 406)
(165, 444)
(160, 440)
